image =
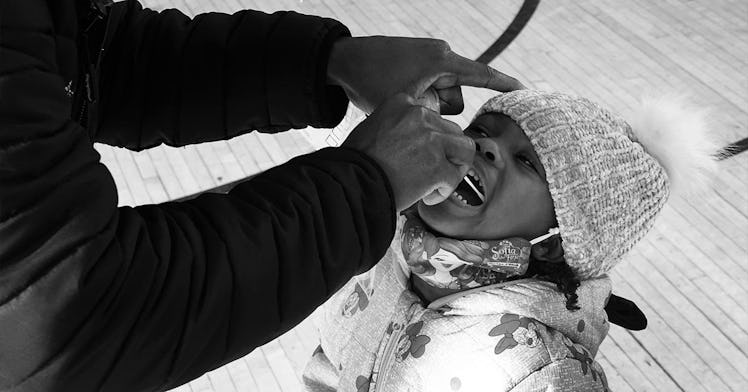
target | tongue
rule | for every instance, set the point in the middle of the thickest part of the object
(467, 193)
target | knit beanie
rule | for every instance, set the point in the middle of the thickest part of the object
(607, 179)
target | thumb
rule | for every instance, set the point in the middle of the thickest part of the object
(447, 185)
(459, 149)
(460, 152)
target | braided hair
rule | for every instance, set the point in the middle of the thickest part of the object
(547, 263)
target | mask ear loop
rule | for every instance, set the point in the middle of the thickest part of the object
(553, 231)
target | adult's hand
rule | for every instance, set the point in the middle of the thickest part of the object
(372, 69)
(423, 155)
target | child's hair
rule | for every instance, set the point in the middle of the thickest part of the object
(547, 263)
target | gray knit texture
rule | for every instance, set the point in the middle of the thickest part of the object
(606, 189)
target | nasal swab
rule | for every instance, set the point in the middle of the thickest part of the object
(477, 192)
(551, 232)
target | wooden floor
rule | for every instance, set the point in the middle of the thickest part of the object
(690, 275)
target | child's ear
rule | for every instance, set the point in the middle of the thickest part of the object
(625, 313)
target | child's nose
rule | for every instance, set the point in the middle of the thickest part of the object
(490, 150)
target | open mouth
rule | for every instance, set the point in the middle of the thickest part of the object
(470, 190)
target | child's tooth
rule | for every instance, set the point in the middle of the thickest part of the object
(471, 172)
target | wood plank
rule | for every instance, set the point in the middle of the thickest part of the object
(608, 20)
(212, 162)
(244, 157)
(272, 147)
(258, 152)
(644, 361)
(683, 234)
(708, 26)
(132, 176)
(281, 366)
(733, 185)
(261, 372)
(187, 179)
(699, 334)
(662, 340)
(625, 365)
(232, 169)
(201, 384)
(687, 51)
(242, 377)
(197, 167)
(165, 172)
(220, 380)
(182, 388)
(696, 259)
(722, 224)
(156, 190)
(144, 163)
(701, 290)
(285, 139)
(616, 382)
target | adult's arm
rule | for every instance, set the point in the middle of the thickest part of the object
(167, 78)
(93, 297)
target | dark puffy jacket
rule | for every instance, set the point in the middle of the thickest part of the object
(95, 297)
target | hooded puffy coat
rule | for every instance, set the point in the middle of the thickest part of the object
(378, 336)
(96, 297)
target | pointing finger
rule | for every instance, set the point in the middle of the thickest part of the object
(466, 72)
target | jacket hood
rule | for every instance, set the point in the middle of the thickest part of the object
(541, 301)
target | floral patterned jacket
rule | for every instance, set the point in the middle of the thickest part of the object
(377, 335)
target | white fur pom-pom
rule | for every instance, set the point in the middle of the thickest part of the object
(677, 134)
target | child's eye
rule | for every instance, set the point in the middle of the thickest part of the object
(526, 161)
(476, 132)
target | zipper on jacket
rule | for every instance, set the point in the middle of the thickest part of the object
(379, 377)
(93, 15)
(390, 350)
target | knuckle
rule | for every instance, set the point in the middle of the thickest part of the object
(419, 112)
(440, 49)
(490, 74)
(442, 45)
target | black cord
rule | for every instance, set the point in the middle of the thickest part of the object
(515, 27)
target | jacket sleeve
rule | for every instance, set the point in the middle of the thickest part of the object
(166, 78)
(93, 297)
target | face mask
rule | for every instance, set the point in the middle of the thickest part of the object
(457, 264)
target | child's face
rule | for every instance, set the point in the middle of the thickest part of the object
(517, 200)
